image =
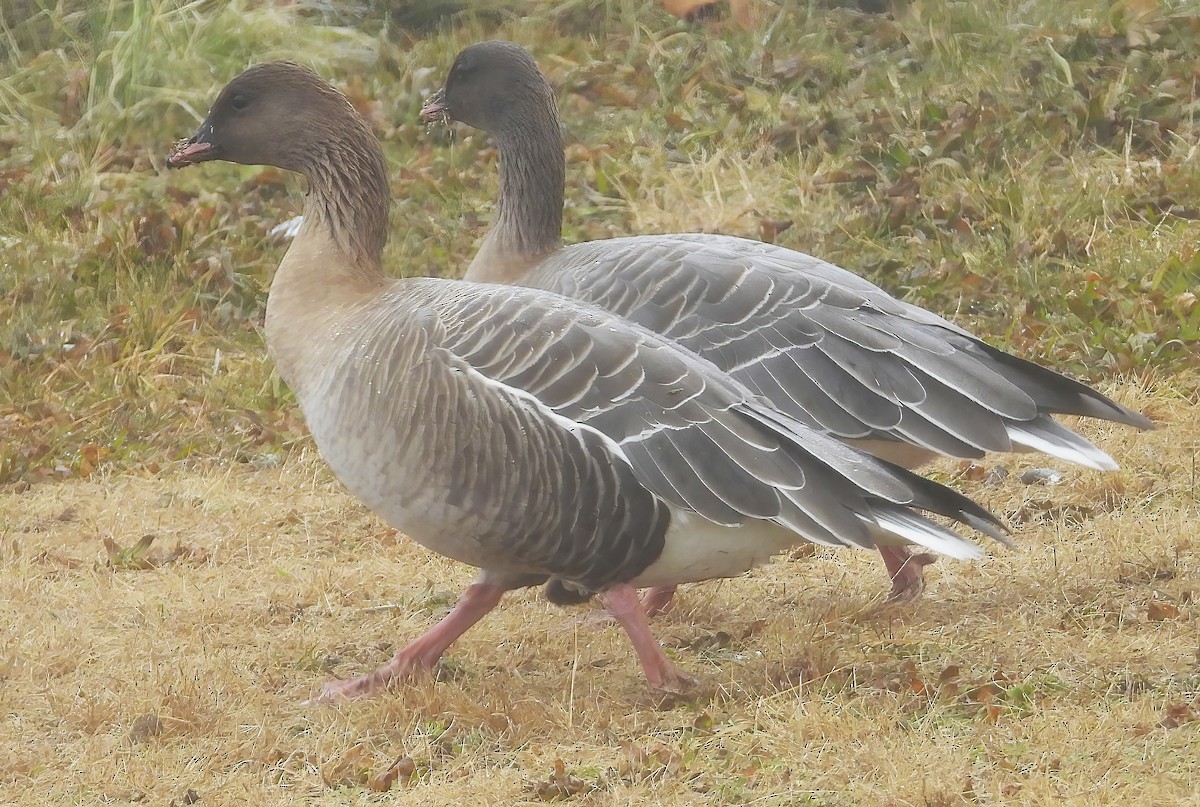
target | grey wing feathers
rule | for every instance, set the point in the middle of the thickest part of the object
(547, 498)
(829, 348)
(690, 434)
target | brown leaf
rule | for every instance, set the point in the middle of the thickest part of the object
(794, 672)
(912, 678)
(705, 641)
(155, 233)
(677, 122)
(747, 13)
(189, 797)
(611, 95)
(1142, 21)
(754, 628)
(769, 229)
(54, 559)
(972, 471)
(689, 10)
(402, 767)
(133, 557)
(559, 785)
(1158, 611)
(93, 453)
(12, 176)
(986, 693)
(1178, 714)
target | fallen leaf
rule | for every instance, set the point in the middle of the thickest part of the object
(188, 798)
(972, 471)
(1177, 714)
(644, 763)
(709, 641)
(754, 628)
(769, 229)
(133, 557)
(53, 558)
(985, 693)
(948, 682)
(559, 785)
(912, 678)
(402, 767)
(74, 96)
(1158, 611)
(689, 10)
(744, 12)
(794, 672)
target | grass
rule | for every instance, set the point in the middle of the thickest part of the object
(1028, 169)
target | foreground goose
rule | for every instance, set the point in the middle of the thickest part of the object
(535, 437)
(824, 345)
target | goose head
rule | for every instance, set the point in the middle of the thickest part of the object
(276, 113)
(493, 86)
(498, 88)
(284, 115)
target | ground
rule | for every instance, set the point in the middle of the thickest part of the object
(1060, 672)
(179, 572)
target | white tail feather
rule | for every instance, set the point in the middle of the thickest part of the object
(916, 530)
(1059, 441)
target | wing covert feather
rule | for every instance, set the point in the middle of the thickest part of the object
(829, 348)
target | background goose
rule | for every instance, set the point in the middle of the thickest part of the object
(824, 345)
(537, 438)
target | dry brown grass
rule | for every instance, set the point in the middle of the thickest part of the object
(1055, 674)
(944, 151)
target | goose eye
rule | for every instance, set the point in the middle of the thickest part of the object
(239, 102)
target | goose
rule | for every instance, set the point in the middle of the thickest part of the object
(827, 347)
(534, 437)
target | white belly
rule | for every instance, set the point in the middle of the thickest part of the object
(696, 549)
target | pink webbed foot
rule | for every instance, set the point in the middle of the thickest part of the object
(422, 653)
(907, 571)
(372, 683)
(623, 603)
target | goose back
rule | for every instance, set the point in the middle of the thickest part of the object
(831, 349)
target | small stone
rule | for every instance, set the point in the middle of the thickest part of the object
(1042, 476)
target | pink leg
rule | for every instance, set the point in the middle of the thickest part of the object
(658, 600)
(422, 653)
(623, 603)
(906, 570)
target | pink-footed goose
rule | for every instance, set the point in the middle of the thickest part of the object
(824, 345)
(535, 437)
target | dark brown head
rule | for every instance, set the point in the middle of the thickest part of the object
(277, 113)
(492, 86)
(285, 115)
